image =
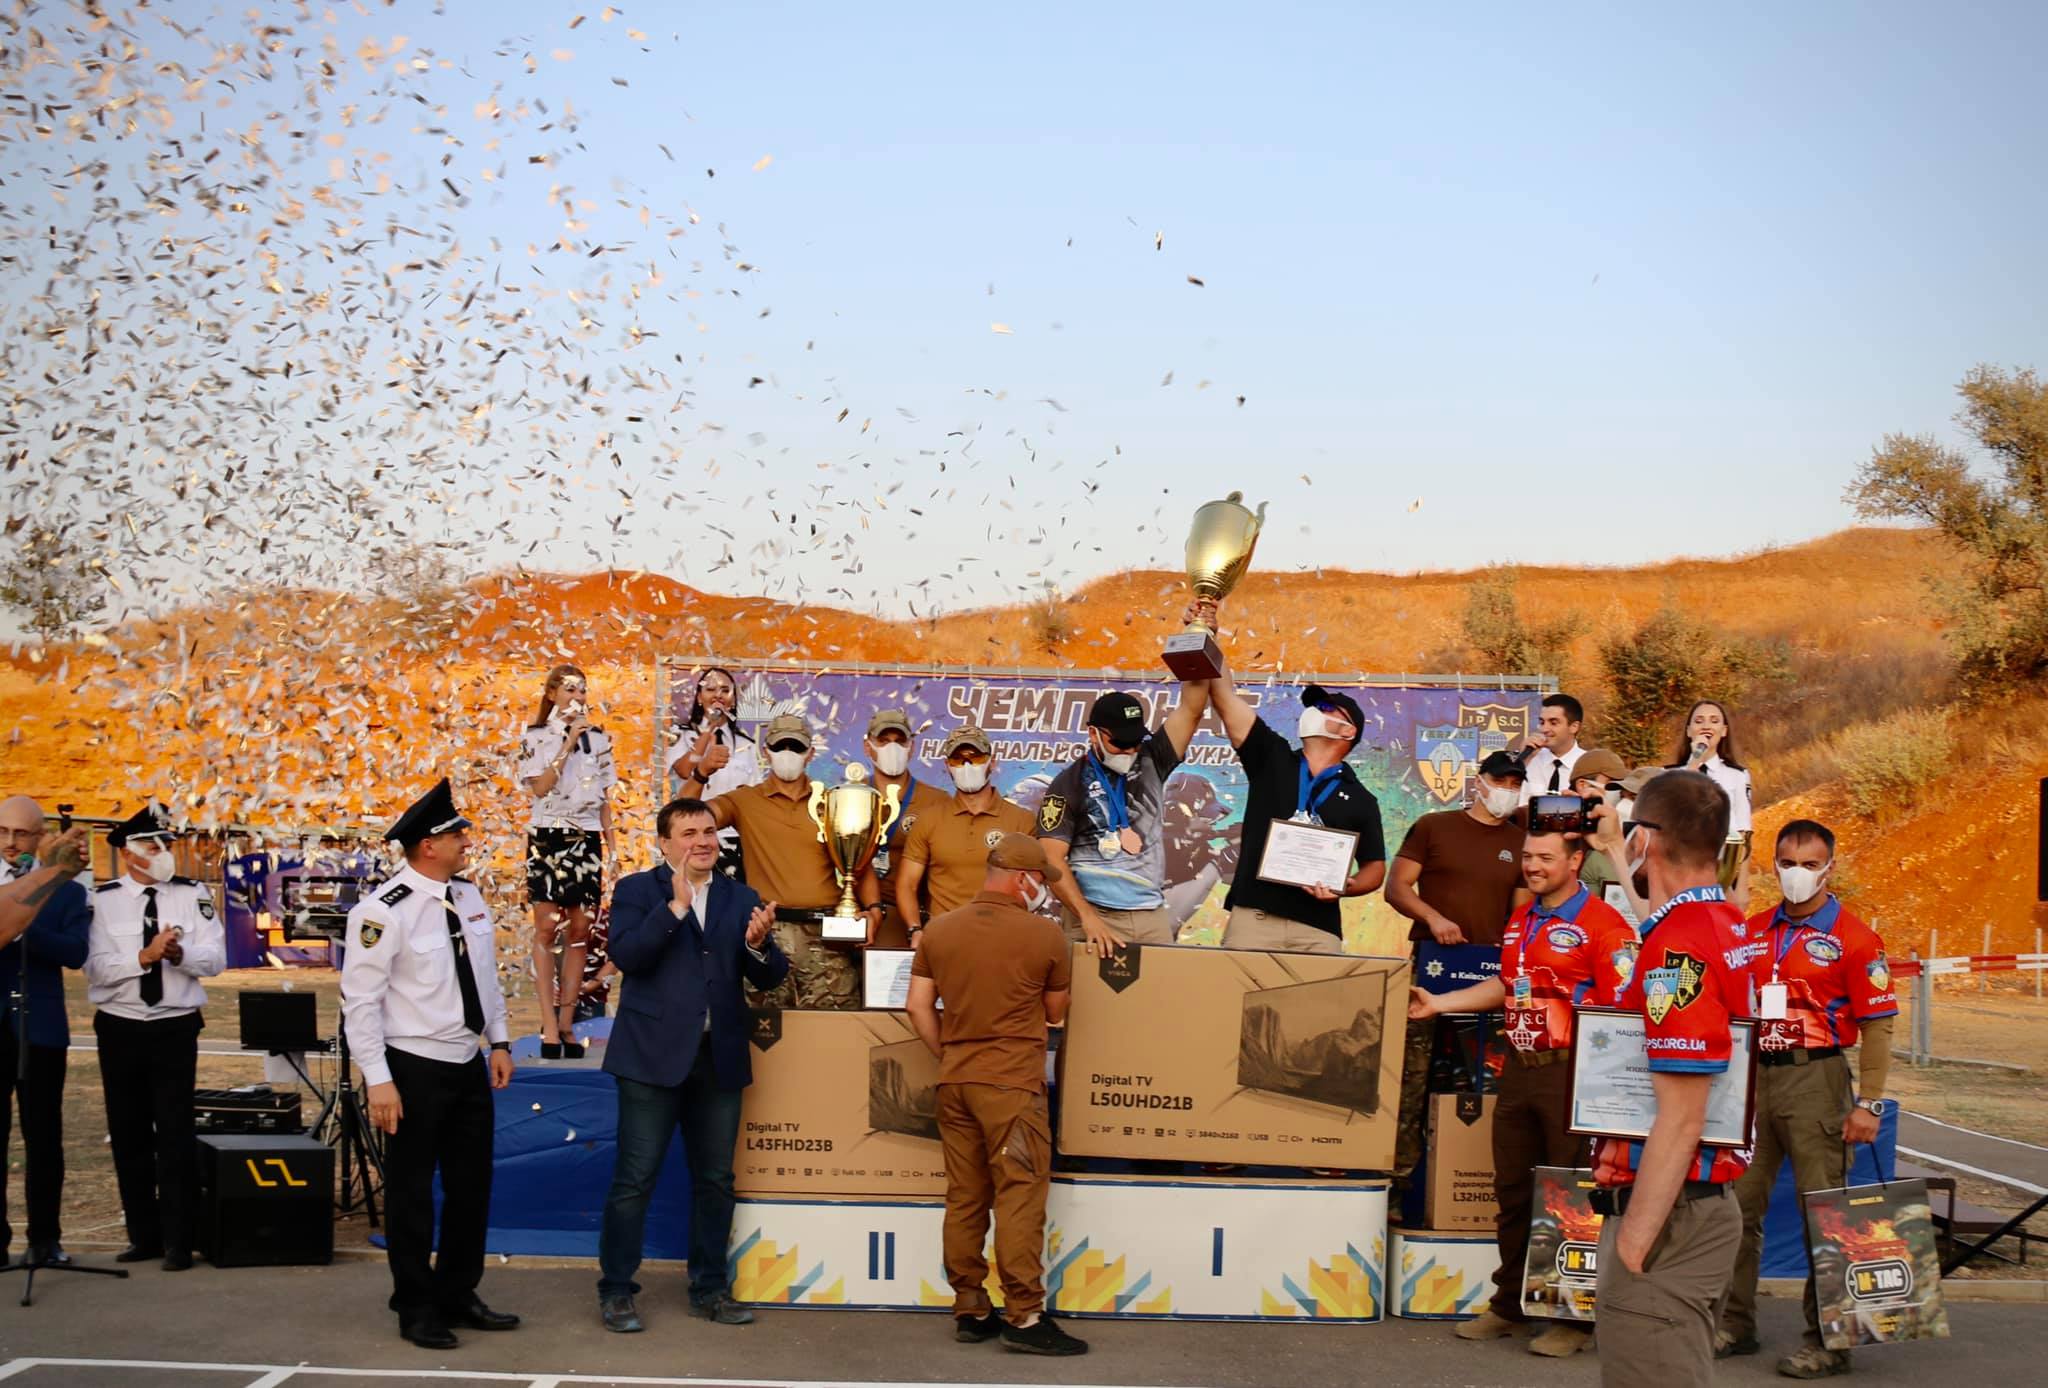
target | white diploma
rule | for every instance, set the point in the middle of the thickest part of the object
(1307, 855)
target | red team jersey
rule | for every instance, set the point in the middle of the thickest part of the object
(1834, 972)
(1692, 977)
(1553, 960)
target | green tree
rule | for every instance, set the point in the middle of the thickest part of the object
(1997, 604)
(1504, 643)
(1662, 668)
(50, 582)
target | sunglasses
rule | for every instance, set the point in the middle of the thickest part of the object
(787, 747)
(966, 756)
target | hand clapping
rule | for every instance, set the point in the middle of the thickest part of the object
(759, 924)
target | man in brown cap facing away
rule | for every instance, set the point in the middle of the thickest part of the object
(1002, 972)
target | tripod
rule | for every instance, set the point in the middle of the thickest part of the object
(344, 1125)
(30, 1264)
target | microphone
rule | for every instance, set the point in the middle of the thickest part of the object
(24, 862)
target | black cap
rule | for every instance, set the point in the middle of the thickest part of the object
(1122, 716)
(1503, 763)
(1315, 696)
(149, 822)
(433, 813)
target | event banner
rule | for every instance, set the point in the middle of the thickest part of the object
(1876, 1268)
(1420, 750)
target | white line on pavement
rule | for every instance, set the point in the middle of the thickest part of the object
(1953, 1165)
(1988, 1137)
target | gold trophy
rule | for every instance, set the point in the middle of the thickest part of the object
(1734, 853)
(851, 821)
(1220, 545)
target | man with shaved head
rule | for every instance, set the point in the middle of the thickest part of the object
(32, 968)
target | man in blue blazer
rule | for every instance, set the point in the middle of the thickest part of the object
(32, 987)
(684, 939)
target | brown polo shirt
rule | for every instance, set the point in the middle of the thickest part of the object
(993, 962)
(786, 863)
(953, 842)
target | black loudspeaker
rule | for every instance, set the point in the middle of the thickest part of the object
(265, 1201)
(274, 1020)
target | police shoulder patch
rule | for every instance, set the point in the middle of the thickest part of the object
(371, 932)
(1052, 812)
(205, 907)
(399, 892)
(108, 886)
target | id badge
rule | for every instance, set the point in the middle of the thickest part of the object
(1770, 1002)
(1524, 990)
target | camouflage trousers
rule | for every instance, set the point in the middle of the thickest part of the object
(822, 977)
(1799, 1115)
(1415, 1052)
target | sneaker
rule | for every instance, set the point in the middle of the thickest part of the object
(975, 1330)
(721, 1310)
(1042, 1337)
(1726, 1344)
(1561, 1341)
(619, 1314)
(1811, 1361)
(1487, 1325)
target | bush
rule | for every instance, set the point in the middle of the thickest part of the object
(1051, 623)
(1665, 666)
(1503, 642)
(1885, 764)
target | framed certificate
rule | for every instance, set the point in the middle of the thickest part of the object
(1611, 1089)
(1307, 855)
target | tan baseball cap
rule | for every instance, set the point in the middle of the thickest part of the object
(1022, 853)
(887, 719)
(967, 735)
(785, 727)
(1634, 782)
(1599, 764)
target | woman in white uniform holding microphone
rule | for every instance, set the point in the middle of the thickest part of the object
(566, 765)
(1709, 747)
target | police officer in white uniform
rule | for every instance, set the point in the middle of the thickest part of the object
(419, 997)
(154, 936)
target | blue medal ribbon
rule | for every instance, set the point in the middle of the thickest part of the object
(1115, 791)
(1309, 799)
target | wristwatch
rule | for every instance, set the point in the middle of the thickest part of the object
(501, 1045)
(1876, 1108)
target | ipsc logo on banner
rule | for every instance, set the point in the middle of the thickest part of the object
(1449, 754)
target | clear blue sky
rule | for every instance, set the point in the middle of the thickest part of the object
(1659, 273)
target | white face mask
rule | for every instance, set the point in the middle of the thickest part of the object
(970, 776)
(1500, 801)
(1315, 723)
(1037, 896)
(1800, 884)
(1120, 762)
(892, 758)
(160, 866)
(787, 766)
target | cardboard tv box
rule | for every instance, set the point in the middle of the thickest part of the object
(1191, 1053)
(1457, 1183)
(842, 1103)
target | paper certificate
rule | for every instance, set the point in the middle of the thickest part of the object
(887, 978)
(1305, 855)
(1611, 1088)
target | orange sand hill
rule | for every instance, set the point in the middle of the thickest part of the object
(305, 708)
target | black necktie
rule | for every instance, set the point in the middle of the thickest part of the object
(153, 976)
(465, 978)
(1556, 773)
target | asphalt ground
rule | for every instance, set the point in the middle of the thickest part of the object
(327, 1327)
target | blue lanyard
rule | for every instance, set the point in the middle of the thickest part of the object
(1309, 799)
(1115, 790)
(1686, 897)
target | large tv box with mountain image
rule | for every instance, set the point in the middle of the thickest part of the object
(842, 1103)
(1186, 1053)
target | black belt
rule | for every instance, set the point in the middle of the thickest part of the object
(797, 915)
(1809, 1056)
(1613, 1200)
(1531, 1059)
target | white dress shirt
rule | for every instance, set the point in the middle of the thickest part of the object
(743, 767)
(576, 801)
(1735, 781)
(1536, 777)
(113, 968)
(398, 981)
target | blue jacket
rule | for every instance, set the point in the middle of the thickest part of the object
(55, 941)
(673, 972)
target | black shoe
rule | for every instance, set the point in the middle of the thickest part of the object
(177, 1262)
(620, 1314)
(428, 1332)
(139, 1253)
(474, 1315)
(1045, 1337)
(47, 1255)
(572, 1050)
(723, 1310)
(976, 1330)
(550, 1050)
(1727, 1346)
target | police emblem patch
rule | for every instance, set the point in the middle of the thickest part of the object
(371, 933)
(1052, 812)
(1624, 961)
(1566, 937)
(1672, 987)
(1823, 949)
(993, 837)
(206, 908)
(1880, 973)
